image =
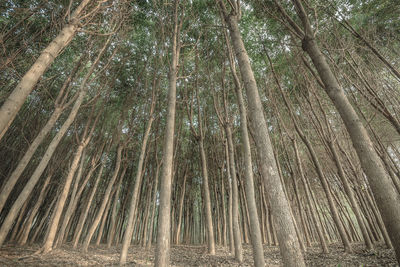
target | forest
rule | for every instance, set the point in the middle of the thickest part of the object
(199, 133)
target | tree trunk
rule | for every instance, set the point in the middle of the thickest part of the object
(106, 196)
(104, 219)
(17, 98)
(60, 105)
(225, 221)
(113, 216)
(135, 194)
(48, 244)
(235, 197)
(207, 200)
(288, 241)
(84, 213)
(49, 152)
(35, 209)
(255, 232)
(164, 221)
(387, 199)
(9, 185)
(153, 212)
(230, 201)
(182, 198)
(350, 194)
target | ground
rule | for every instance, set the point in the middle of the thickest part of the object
(187, 256)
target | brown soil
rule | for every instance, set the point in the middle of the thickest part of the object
(187, 256)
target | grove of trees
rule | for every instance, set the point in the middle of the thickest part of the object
(216, 122)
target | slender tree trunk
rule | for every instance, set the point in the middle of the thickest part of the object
(230, 201)
(48, 244)
(207, 199)
(113, 216)
(153, 212)
(49, 152)
(104, 219)
(60, 105)
(235, 197)
(9, 185)
(17, 224)
(313, 211)
(71, 205)
(135, 194)
(44, 218)
(106, 196)
(84, 213)
(148, 189)
(164, 221)
(17, 98)
(225, 221)
(325, 186)
(37, 173)
(35, 209)
(350, 194)
(288, 241)
(76, 196)
(255, 232)
(387, 199)
(181, 200)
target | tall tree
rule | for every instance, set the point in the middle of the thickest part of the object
(17, 98)
(288, 241)
(164, 221)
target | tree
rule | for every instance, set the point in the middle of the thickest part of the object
(289, 244)
(17, 98)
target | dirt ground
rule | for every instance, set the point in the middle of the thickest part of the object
(187, 256)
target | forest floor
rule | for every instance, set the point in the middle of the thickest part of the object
(187, 256)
